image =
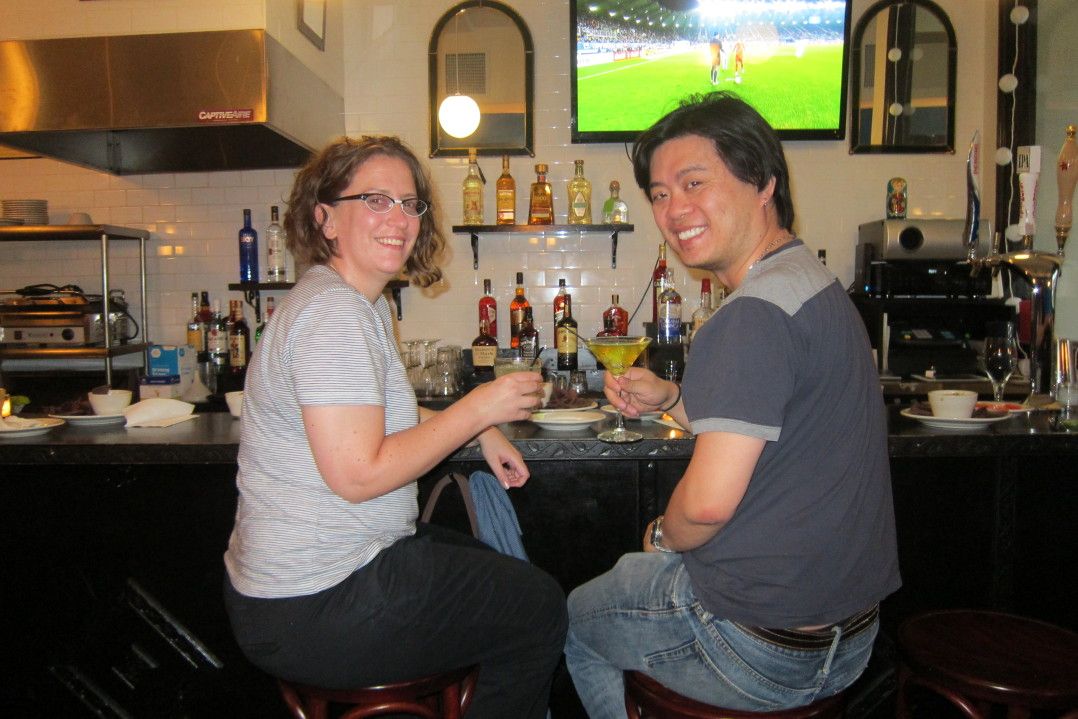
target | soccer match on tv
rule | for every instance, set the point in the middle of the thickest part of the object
(634, 60)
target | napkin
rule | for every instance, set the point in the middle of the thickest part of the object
(158, 412)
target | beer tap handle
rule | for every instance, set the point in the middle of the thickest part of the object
(1066, 177)
(973, 199)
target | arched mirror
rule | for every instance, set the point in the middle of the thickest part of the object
(903, 83)
(482, 49)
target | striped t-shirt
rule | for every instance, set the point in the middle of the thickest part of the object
(326, 345)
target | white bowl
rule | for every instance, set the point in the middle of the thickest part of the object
(952, 403)
(112, 403)
(235, 402)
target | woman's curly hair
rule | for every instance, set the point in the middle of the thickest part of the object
(328, 174)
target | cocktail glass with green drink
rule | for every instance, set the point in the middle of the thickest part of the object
(618, 354)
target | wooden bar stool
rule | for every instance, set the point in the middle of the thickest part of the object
(975, 659)
(646, 698)
(438, 696)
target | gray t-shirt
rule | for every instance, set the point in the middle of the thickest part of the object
(786, 358)
(326, 345)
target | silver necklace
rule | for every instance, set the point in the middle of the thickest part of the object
(770, 246)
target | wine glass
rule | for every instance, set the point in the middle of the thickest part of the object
(1000, 361)
(618, 354)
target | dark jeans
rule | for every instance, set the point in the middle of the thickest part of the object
(429, 603)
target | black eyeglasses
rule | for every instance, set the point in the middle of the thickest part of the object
(377, 202)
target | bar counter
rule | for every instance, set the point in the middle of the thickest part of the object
(985, 519)
(213, 438)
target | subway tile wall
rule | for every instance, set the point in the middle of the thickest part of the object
(194, 217)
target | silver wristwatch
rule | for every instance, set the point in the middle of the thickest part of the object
(657, 535)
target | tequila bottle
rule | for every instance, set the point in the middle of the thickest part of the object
(473, 192)
(579, 197)
(615, 211)
(541, 203)
(506, 195)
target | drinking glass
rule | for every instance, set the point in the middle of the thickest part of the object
(618, 354)
(1000, 361)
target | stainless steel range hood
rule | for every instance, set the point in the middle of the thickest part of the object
(180, 102)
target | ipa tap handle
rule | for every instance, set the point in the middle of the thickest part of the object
(1066, 177)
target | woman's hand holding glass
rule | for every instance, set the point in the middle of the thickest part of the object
(509, 398)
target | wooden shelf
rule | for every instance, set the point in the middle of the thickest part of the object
(478, 230)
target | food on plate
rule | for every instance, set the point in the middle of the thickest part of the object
(71, 408)
(18, 401)
(13, 422)
(983, 410)
(566, 399)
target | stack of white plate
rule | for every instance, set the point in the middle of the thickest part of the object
(31, 212)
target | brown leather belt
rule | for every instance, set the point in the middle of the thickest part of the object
(819, 638)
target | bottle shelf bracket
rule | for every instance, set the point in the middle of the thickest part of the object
(475, 231)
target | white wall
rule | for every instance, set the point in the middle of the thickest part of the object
(384, 54)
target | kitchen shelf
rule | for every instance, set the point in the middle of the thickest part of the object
(252, 292)
(476, 231)
(105, 234)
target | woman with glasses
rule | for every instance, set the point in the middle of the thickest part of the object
(330, 580)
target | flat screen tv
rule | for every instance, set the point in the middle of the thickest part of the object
(632, 61)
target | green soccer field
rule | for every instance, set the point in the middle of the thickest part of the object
(790, 92)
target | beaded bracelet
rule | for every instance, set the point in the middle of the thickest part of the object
(676, 400)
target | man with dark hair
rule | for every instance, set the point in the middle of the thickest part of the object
(759, 587)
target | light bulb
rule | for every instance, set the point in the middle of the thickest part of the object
(894, 54)
(1019, 14)
(895, 109)
(1008, 83)
(1003, 156)
(458, 115)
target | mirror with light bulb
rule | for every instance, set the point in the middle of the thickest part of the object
(482, 79)
(904, 60)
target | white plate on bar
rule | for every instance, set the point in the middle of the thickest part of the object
(943, 423)
(560, 420)
(560, 410)
(40, 426)
(647, 416)
(88, 420)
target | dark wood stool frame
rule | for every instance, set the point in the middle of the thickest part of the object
(976, 659)
(646, 698)
(438, 696)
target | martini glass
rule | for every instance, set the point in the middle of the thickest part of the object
(618, 354)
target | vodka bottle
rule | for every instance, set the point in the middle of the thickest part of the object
(248, 241)
(473, 192)
(275, 249)
(579, 197)
(668, 329)
(615, 210)
(506, 196)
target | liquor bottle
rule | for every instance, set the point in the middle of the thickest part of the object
(516, 312)
(265, 319)
(217, 346)
(614, 209)
(579, 197)
(704, 311)
(658, 276)
(239, 339)
(610, 327)
(619, 315)
(506, 196)
(196, 330)
(529, 337)
(488, 309)
(484, 350)
(275, 249)
(473, 192)
(566, 334)
(541, 202)
(205, 312)
(248, 239)
(559, 307)
(668, 328)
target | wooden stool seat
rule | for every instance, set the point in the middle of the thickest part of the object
(976, 658)
(438, 696)
(646, 698)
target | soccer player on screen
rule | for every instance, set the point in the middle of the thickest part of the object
(739, 60)
(716, 58)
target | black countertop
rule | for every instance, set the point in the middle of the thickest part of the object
(213, 438)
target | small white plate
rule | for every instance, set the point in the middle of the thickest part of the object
(585, 408)
(43, 425)
(967, 423)
(609, 409)
(90, 419)
(566, 420)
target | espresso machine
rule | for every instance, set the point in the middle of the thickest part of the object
(924, 311)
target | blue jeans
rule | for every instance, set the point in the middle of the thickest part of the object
(643, 615)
